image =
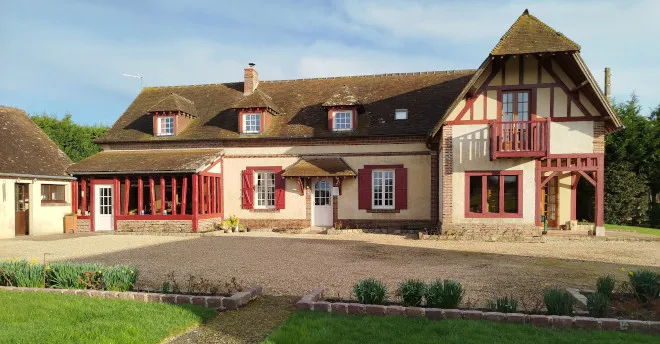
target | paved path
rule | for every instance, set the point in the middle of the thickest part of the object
(294, 264)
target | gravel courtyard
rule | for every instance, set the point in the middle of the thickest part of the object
(294, 264)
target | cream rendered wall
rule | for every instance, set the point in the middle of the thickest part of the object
(43, 219)
(564, 214)
(571, 137)
(471, 153)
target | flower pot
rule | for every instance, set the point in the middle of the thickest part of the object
(235, 229)
(70, 223)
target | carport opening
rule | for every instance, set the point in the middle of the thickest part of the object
(585, 200)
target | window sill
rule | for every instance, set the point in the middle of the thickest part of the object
(384, 211)
(54, 204)
(269, 210)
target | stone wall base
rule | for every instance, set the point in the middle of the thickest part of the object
(84, 225)
(488, 231)
(275, 223)
(407, 225)
(208, 225)
(155, 226)
(333, 231)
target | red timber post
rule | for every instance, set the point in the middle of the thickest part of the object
(152, 195)
(75, 191)
(184, 191)
(91, 204)
(201, 194)
(117, 200)
(173, 184)
(195, 200)
(600, 196)
(207, 194)
(83, 209)
(537, 192)
(140, 196)
(162, 195)
(212, 198)
(221, 199)
(127, 192)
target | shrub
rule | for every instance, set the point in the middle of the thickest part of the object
(503, 305)
(120, 277)
(21, 273)
(69, 275)
(598, 305)
(605, 285)
(558, 302)
(646, 284)
(370, 291)
(447, 294)
(411, 292)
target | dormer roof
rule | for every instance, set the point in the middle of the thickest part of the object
(529, 35)
(175, 102)
(342, 97)
(258, 99)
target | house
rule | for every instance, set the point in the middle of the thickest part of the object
(35, 189)
(492, 150)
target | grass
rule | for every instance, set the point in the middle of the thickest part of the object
(56, 318)
(640, 230)
(314, 327)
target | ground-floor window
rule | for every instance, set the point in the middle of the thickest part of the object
(264, 189)
(382, 186)
(52, 193)
(493, 194)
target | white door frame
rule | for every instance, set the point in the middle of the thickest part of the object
(324, 212)
(104, 207)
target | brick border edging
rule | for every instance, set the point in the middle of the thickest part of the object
(313, 301)
(221, 303)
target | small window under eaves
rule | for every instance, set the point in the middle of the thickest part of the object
(401, 114)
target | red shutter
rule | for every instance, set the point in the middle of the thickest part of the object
(330, 119)
(280, 190)
(364, 188)
(248, 189)
(401, 188)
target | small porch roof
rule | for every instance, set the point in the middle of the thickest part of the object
(146, 161)
(319, 167)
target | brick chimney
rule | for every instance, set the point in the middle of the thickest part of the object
(251, 80)
(607, 83)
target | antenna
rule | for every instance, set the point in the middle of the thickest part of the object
(137, 76)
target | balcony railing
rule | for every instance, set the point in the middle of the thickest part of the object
(519, 139)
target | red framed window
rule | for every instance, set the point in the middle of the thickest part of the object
(383, 187)
(515, 106)
(493, 194)
(263, 187)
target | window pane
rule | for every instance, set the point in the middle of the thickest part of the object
(475, 194)
(510, 194)
(342, 121)
(493, 193)
(252, 123)
(523, 106)
(507, 106)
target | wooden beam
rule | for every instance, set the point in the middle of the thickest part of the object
(184, 192)
(195, 195)
(212, 195)
(587, 177)
(127, 192)
(152, 195)
(173, 183)
(83, 211)
(600, 192)
(582, 84)
(140, 196)
(548, 178)
(201, 195)
(162, 195)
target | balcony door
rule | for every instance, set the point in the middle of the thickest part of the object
(550, 202)
(515, 117)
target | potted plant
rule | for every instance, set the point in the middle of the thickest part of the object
(70, 223)
(234, 223)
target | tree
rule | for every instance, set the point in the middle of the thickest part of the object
(74, 140)
(626, 196)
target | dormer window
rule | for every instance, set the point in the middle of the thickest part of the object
(166, 126)
(251, 123)
(400, 114)
(342, 120)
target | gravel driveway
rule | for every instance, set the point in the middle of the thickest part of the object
(294, 264)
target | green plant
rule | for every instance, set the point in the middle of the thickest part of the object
(411, 292)
(646, 284)
(370, 291)
(69, 275)
(598, 304)
(21, 273)
(503, 304)
(605, 285)
(120, 277)
(165, 287)
(447, 294)
(558, 301)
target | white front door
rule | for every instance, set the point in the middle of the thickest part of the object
(103, 207)
(322, 206)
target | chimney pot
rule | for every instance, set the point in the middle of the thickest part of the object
(250, 79)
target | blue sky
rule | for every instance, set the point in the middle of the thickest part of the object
(70, 56)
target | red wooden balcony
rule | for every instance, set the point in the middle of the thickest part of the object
(519, 139)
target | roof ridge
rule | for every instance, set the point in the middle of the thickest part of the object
(449, 71)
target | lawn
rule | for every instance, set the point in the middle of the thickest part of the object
(640, 230)
(56, 318)
(314, 327)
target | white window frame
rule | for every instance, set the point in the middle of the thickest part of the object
(267, 190)
(257, 123)
(400, 114)
(382, 191)
(163, 120)
(350, 120)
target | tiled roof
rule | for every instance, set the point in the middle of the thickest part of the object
(25, 149)
(425, 95)
(530, 35)
(175, 102)
(174, 160)
(258, 99)
(324, 167)
(343, 96)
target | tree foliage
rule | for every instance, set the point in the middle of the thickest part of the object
(626, 196)
(74, 140)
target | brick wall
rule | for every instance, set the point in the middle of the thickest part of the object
(156, 226)
(482, 231)
(447, 170)
(84, 225)
(387, 224)
(275, 224)
(599, 137)
(435, 184)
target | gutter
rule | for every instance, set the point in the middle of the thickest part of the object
(35, 176)
(80, 173)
